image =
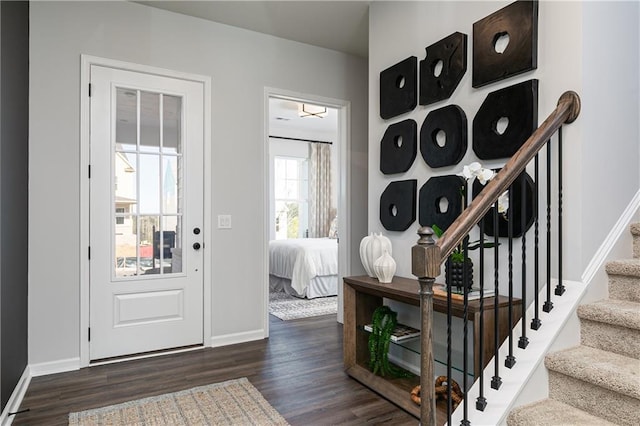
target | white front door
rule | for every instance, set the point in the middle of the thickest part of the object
(146, 212)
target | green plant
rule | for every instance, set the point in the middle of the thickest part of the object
(383, 322)
(457, 255)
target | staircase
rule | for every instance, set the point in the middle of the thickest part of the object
(598, 382)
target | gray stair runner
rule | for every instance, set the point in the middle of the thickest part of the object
(598, 382)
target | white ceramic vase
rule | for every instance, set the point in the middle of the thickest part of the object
(371, 248)
(385, 267)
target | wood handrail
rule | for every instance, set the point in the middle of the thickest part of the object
(566, 111)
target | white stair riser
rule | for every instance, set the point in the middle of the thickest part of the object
(612, 406)
(635, 232)
(623, 287)
(620, 340)
(550, 412)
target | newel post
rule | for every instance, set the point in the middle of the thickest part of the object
(425, 264)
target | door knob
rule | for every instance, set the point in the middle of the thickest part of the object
(196, 246)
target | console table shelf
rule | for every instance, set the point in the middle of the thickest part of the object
(362, 295)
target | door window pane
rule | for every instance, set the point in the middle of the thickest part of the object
(171, 124)
(149, 176)
(126, 249)
(126, 118)
(170, 184)
(172, 229)
(149, 122)
(149, 226)
(124, 181)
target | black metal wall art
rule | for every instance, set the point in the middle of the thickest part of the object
(398, 148)
(505, 43)
(398, 205)
(443, 136)
(441, 201)
(515, 205)
(398, 88)
(505, 120)
(443, 68)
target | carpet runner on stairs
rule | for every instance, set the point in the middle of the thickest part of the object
(598, 382)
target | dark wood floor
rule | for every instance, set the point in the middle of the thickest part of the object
(298, 370)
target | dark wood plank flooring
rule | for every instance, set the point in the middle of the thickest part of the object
(298, 369)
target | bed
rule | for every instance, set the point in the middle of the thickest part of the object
(304, 267)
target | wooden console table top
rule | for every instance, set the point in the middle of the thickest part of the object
(406, 290)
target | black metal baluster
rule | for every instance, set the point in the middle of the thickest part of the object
(523, 341)
(535, 322)
(510, 361)
(548, 304)
(481, 401)
(449, 311)
(560, 287)
(465, 322)
(496, 381)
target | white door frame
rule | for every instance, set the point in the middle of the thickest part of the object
(344, 179)
(86, 62)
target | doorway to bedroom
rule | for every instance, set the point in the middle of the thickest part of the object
(304, 191)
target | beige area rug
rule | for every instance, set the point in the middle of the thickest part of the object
(234, 402)
(288, 307)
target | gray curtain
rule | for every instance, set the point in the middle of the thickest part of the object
(320, 190)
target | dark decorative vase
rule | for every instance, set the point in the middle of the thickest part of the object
(455, 276)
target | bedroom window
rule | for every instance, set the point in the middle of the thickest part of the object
(291, 187)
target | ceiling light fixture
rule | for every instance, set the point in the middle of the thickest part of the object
(308, 110)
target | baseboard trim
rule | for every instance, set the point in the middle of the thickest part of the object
(53, 367)
(622, 225)
(234, 338)
(16, 397)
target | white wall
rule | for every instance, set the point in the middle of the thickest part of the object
(241, 64)
(610, 116)
(594, 54)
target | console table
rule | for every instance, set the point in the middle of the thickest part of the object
(363, 294)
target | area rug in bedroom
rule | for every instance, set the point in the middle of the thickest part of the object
(288, 307)
(234, 402)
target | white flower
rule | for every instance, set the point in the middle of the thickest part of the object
(503, 202)
(468, 172)
(485, 175)
(475, 170)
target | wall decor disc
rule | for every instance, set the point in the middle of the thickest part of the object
(505, 120)
(398, 205)
(398, 148)
(398, 88)
(515, 203)
(505, 43)
(441, 201)
(443, 136)
(443, 68)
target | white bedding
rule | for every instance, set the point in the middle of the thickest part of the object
(302, 260)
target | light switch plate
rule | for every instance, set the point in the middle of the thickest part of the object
(224, 221)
